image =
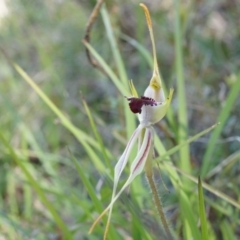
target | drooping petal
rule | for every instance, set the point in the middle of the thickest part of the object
(136, 167)
(118, 170)
(140, 138)
(125, 156)
(139, 162)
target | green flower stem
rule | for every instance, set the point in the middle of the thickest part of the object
(156, 198)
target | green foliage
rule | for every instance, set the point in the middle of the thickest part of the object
(58, 150)
(202, 211)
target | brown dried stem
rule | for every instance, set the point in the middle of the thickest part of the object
(87, 35)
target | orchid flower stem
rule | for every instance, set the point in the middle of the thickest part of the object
(156, 198)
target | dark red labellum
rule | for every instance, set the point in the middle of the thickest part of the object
(136, 104)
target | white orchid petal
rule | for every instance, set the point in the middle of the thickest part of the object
(139, 162)
(140, 138)
(152, 114)
(125, 156)
(117, 173)
(157, 95)
(121, 165)
(137, 165)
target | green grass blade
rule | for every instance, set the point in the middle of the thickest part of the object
(62, 226)
(83, 138)
(174, 177)
(11, 192)
(97, 135)
(97, 203)
(205, 186)
(130, 121)
(178, 185)
(28, 208)
(114, 46)
(182, 106)
(223, 116)
(190, 223)
(203, 218)
(31, 140)
(130, 125)
(185, 203)
(227, 232)
(121, 88)
(11, 227)
(87, 185)
(233, 158)
(79, 134)
(178, 147)
(141, 49)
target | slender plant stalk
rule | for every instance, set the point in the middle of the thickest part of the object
(106, 229)
(156, 198)
(182, 110)
(87, 36)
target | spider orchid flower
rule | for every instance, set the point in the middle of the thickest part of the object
(150, 108)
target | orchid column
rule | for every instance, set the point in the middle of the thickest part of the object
(151, 108)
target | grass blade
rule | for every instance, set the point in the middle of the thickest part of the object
(130, 122)
(205, 186)
(227, 232)
(178, 147)
(96, 133)
(121, 88)
(190, 223)
(223, 116)
(97, 203)
(114, 46)
(62, 226)
(182, 108)
(203, 218)
(83, 138)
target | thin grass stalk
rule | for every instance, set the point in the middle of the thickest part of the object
(222, 118)
(97, 203)
(129, 119)
(96, 133)
(202, 213)
(66, 234)
(182, 108)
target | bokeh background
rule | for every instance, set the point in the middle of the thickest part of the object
(45, 39)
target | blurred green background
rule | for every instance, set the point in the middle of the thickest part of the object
(45, 39)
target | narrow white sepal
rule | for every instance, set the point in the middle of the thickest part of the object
(137, 165)
(139, 162)
(125, 156)
(122, 163)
